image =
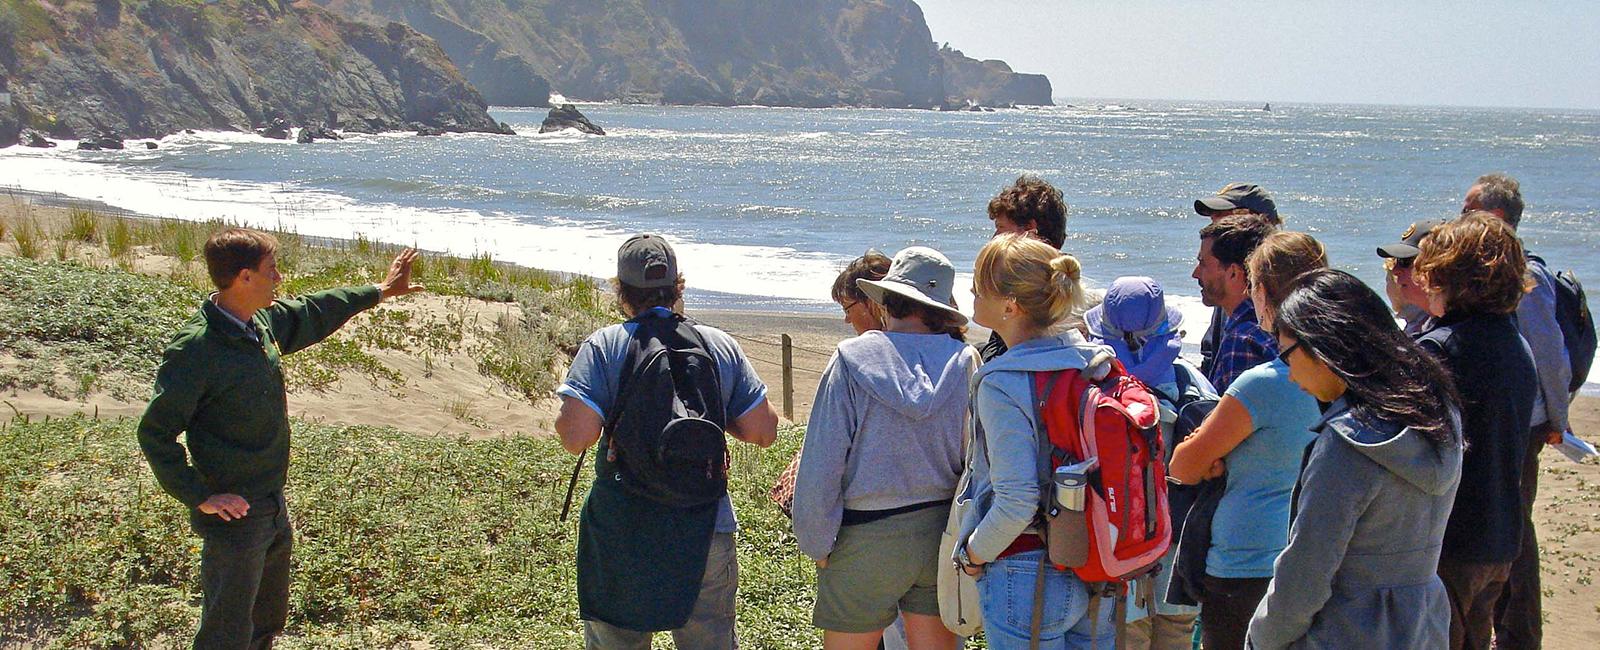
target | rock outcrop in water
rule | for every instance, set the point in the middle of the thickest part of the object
(155, 67)
(809, 53)
(566, 116)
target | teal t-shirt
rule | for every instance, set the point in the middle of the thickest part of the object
(1252, 522)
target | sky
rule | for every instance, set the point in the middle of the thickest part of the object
(1534, 53)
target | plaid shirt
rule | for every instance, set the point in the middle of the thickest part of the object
(1244, 346)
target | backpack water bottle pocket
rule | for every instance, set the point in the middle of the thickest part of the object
(1067, 532)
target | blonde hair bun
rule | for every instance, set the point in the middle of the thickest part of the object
(1067, 265)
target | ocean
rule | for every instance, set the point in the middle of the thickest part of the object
(765, 205)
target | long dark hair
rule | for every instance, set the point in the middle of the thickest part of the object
(1341, 321)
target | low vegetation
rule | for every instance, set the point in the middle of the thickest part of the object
(400, 538)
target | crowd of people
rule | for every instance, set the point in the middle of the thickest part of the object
(1356, 481)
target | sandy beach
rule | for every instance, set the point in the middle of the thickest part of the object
(448, 395)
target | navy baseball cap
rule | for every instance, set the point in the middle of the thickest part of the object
(1238, 195)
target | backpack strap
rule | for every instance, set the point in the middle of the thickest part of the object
(1094, 614)
(572, 484)
(1040, 399)
(1119, 614)
(1038, 604)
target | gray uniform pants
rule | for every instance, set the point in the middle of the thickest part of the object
(244, 575)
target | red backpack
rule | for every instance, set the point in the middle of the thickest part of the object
(1125, 526)
(1114, 420)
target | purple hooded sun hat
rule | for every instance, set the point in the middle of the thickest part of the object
(1135, 320)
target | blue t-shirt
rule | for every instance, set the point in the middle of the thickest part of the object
(1252, 522)
(597, 370)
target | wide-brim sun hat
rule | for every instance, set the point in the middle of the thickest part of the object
(1137, 297)
(921, 274)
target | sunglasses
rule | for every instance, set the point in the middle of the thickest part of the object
(1284, 355)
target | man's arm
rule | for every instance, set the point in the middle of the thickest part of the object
(302, 322)
(178, 389)
(577, 425)
(1536, 319)
(758, 426)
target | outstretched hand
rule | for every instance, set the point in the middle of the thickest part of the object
(398, 282)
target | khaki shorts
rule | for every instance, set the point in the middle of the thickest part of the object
(879, 569)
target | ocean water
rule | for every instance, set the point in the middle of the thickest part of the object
(766, 204)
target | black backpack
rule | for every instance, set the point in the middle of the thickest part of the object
(665, 438)
(1195, 399)
(1577, 323)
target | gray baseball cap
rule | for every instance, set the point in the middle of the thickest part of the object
(647, 262)
(921, 274)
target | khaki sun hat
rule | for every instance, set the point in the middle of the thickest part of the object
(922, 275)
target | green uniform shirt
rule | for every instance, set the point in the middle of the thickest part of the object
(227, 392)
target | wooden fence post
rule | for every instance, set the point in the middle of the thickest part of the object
(788, 377)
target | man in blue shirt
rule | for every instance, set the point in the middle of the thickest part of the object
(1517, 614)
(1225, 284)
(634, 594)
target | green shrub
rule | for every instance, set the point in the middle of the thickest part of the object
(399, 539)
(93, 321)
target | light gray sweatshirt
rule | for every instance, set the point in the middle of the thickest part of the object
(885, 431)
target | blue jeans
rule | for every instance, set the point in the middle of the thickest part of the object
(1005, 594)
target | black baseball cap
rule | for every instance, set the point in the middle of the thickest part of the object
(1249, 196)
(1410, 240)
(647, 262)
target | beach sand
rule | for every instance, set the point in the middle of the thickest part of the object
(447, 396)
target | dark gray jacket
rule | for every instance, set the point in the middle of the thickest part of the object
(1359, 571)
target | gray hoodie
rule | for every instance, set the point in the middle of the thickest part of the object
(1359, 571)
(885, 431)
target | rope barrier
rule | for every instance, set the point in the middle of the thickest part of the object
(779, 364)
(792, 346)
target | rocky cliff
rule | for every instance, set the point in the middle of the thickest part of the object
(146, 68)
(720, 52)
(990, 83)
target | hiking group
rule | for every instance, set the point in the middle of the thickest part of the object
(1072, 482)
